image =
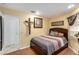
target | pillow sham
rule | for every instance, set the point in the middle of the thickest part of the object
(53, 33)
(56, 34)
(60, 34)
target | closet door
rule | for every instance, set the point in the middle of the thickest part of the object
(0, 32)
(11, 32)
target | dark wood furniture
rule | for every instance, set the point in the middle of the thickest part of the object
(61, 30)
(0, 32)
(64, 31)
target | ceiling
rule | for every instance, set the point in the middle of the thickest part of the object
(45, 9)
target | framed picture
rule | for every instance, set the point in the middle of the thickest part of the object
(72, 19)
(38, 22)
(57, 23)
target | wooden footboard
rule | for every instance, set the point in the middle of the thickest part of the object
(35, 47)
(59, 50)
(43, 51)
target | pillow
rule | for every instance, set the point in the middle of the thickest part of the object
(53, 33)
(60, 35)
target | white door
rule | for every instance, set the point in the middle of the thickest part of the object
(11, 32)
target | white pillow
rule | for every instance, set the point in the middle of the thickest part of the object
(53, 33)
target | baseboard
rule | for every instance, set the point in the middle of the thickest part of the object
(18, 49)
(12, 50)
(73, 50)
(7, 51)
(25, 47)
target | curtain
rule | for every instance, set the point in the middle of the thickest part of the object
(11, 32)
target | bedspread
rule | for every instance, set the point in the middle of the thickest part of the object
(49, 43)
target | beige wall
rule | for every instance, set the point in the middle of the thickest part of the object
(63, 18)
(25, 37)
(34, 31)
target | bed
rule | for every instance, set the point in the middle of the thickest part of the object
(50, 44)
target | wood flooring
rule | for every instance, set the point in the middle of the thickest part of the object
(30, 51)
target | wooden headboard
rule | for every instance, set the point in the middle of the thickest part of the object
(61, 30)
